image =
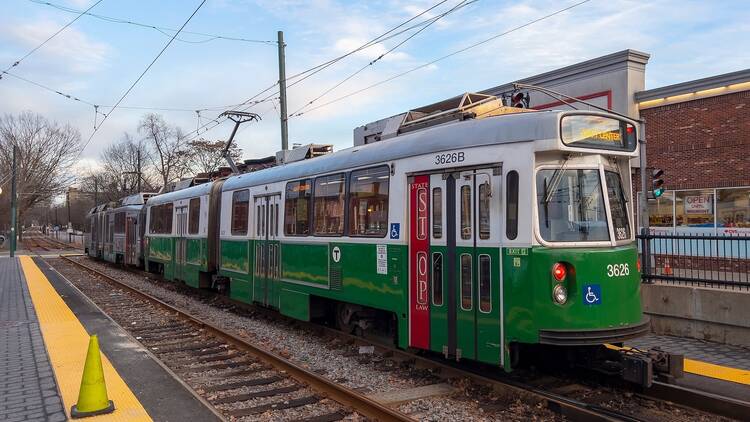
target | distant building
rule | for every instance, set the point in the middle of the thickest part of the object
(698, 132)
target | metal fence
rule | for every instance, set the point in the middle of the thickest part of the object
(696, 260)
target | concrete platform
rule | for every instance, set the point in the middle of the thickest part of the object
(59, 322)
(714, 367)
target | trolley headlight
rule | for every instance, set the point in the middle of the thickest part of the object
(560, 294)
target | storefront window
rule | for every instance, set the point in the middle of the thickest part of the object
(733, 210)
(695, 208)
(660, 211)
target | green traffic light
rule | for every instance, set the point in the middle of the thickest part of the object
(658, 192)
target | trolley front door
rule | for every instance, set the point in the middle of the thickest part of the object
(462, 251)
(267, 271)
(130, 241)
(180, 246)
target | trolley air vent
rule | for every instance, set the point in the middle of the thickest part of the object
(303, 152)
(334, 277)
(466, 106)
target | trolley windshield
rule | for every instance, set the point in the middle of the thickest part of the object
(571, 205)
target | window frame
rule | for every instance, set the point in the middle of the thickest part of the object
(479, 281)
(461, 281)
(232, 230)
(190, 216)
(439, 221)
(432, 279)
(344, 231)
(348, 198)
(309, 198)
(511, 196)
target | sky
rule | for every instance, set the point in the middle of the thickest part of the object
(97, 60)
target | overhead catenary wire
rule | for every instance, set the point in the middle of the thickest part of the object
(160, 29)
(141, 76)
(372, 62)
(424, 65)
(97, 106)
(17, 62)
(213, 123)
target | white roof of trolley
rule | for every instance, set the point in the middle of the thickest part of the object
(495, 130)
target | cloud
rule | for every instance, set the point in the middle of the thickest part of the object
(74, 49)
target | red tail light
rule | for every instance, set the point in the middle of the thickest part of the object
(638, 264)
(559, 271)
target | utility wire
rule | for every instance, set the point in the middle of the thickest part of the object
(160, 29)
(372, 62)
(90, 103)
(213, 123)
(141, 76)
(17, 62)
(422, 66)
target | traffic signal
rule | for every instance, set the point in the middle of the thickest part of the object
(519, 100)
(657, 182)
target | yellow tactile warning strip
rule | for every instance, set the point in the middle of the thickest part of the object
(67, 342)
(710, 370)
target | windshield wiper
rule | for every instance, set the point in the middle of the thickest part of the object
(556, 178)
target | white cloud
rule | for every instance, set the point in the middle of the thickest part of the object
(71, 48)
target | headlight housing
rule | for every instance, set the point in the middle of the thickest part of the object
(560, 294)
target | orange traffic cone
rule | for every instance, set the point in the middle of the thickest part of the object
(667, 267)
(92, 397)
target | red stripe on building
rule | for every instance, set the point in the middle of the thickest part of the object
(419, 249)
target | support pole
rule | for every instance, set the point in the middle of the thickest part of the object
(14, 205)
(282, 93)
(644, 174)
(70, 225)
(139, 170)
(645, 241)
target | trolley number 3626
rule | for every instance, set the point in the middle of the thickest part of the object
(449, 158)
(618, 270)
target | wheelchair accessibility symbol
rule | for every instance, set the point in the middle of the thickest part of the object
(395, 230)
(592, 294)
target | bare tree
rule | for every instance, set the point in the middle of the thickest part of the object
(170, 148)
(126, 161)
(207, 156)
(46, 154)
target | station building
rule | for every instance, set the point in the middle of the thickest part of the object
(698, 132)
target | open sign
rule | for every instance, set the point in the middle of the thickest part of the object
(699, 204)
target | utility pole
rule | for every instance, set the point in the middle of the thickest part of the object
(13, 205)
(282, 93)
(70, 225)
(139, 170)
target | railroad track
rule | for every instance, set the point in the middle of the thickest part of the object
(37, 242)
(236, 377)
(557, 398)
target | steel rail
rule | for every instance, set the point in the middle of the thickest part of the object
(570, 408)
(358, 402)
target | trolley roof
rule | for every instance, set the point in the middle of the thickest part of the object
(470, 133)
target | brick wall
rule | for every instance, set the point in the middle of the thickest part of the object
(702, 143)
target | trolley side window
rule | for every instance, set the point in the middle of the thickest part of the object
(437, 279)
(511, 205)
(485, 282)
(617, 206)
(437, 213)
(465, 212)
(194, 215)
(120, 223)
(466, 282)
(160, 220)
(328, 205)
(368, 202)
(297, 208)
(240, 211)
(484, 211)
